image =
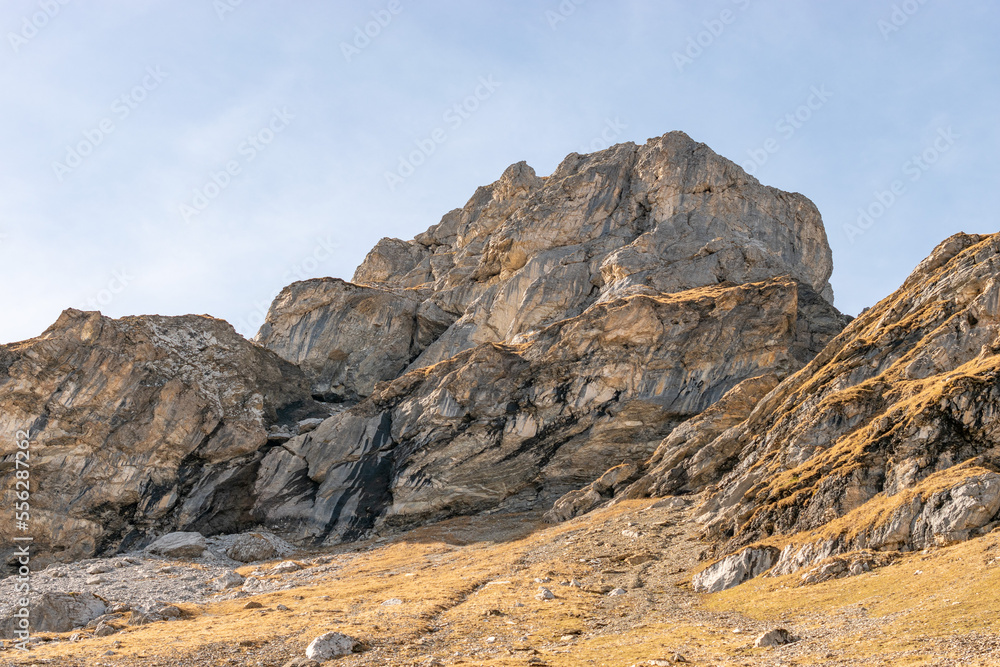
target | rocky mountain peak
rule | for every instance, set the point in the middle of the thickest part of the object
(526, 251)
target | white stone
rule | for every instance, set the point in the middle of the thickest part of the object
(329, 646)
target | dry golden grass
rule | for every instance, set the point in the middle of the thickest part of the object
(954, 594)
(465, 580)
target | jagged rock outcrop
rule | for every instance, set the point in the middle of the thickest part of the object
(948, 507)
(347, 337)
(735, 569)
(515, 426)
(907, 391)
(138, 425)
(527, 251)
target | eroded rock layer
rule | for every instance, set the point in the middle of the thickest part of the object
(138, 425)
(888, 440)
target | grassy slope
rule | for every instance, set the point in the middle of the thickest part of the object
(451, 575)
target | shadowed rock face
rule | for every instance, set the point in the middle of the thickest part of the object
(138, 424)
(906, 398)
(527, 251)
(515, 426)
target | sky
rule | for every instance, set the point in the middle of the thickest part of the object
(195, 156)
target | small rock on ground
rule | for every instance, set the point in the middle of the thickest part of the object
(776, 637)
(330, 645)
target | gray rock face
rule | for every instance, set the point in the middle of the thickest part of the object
(179, 545)
(684, 461)
(516, 426)
(734, 570)
(951, 515)
(138, 426)
(347, 337)
(583, 500)
(526, 251)
(949, 507)
(227, 580)
(57, 612)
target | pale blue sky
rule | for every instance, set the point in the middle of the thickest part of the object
(182, 84)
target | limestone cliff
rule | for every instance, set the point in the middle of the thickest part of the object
(527, 251)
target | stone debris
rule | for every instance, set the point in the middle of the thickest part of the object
(675, 659)
(104, 629)
(227, 580)
(301, 662)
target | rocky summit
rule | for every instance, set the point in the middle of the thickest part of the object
(609, 407)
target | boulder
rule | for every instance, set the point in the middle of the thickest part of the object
(544, 594)
(56, 612)
(250, 547)
(104, 629)
(227, 580)
(179, 545)
(330, 645)
(285, 567)
(776, 637)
